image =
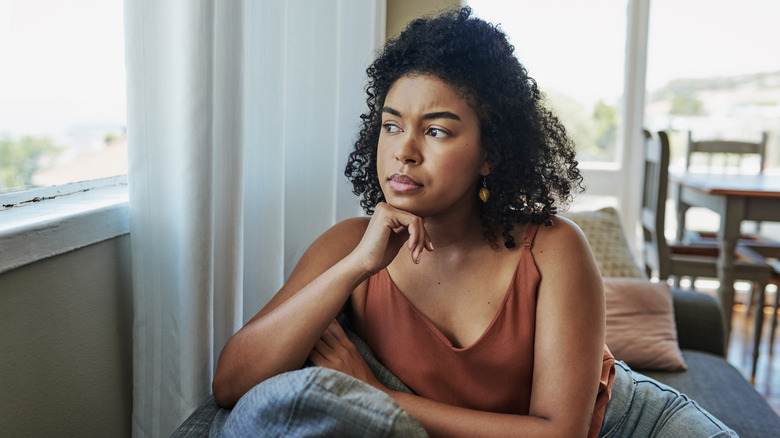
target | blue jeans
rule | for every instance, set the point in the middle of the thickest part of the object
(318, 402)
(643, 407)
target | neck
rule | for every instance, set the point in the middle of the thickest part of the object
(455, 229)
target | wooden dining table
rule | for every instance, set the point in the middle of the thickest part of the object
(735, 198)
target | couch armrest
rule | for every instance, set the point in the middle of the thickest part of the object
(699, 322)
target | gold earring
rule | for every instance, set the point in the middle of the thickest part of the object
(484, 193)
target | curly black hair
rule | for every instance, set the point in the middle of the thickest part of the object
(532, 160)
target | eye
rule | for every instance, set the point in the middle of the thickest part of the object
(391, 128)
(437, 132)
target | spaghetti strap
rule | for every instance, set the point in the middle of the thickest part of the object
(530, 234)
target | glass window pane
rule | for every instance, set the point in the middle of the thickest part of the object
(576, 57)
(62, 92)
(713, 68)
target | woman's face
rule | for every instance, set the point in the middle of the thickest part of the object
(429, 157)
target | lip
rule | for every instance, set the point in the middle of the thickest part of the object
(403, 183)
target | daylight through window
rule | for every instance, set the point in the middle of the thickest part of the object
(62, 92)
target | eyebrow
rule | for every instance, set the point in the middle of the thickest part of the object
(427, 116)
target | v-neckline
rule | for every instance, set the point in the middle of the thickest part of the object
(438, 333)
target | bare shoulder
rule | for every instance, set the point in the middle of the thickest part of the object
(563, 235)
(563, 255)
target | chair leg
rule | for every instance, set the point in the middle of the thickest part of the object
(751, 298)
(758, 325)
(773, 326)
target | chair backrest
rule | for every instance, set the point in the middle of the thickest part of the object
(652, 215)
(725, 156)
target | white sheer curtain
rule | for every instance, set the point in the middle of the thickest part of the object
(240, 118)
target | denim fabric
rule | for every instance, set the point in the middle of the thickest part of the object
(319, 402)
(643, 407)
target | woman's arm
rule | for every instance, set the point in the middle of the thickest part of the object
(570, 326)
(569, 343)
(282, 334)
(277, 338)
(335, 350)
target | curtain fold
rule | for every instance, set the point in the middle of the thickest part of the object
(240, 117)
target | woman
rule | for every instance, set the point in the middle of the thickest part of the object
(458, 161)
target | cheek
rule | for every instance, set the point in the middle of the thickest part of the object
(382, 155)
(466, 161)
(457, 175)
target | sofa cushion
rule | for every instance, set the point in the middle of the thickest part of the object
(719, 388)
(699, 322)
(605, 236)
(641, 329)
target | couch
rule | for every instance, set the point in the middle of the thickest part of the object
(709, 379)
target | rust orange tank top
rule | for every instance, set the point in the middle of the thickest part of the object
(493, 374)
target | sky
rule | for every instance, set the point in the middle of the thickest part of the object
(578, 47)
(557, 48)
(44, 82)
(703, 38)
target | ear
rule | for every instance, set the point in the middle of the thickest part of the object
(484, 169)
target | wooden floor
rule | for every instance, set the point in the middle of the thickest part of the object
(767, 380)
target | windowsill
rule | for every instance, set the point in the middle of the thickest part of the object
(41, 223)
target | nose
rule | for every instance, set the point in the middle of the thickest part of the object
(408, 151)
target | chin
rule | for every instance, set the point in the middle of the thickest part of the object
(408, 205)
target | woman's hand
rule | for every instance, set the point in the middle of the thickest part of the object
(387, 232)
(334, 350)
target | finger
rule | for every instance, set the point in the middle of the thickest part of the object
(323, 347)
(402, 222)
(342, 339)
(410, 244)
(329, 342)
(423, 238)
(412, 240)
(330, 339)
(417, 235)
(337, 331)
(318, 358)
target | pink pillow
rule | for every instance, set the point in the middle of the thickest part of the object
(640, 324)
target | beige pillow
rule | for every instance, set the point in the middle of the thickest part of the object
(640, 324)
(607, 241)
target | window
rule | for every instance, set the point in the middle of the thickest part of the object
(62, 92)
(712, 69)
(575, 51)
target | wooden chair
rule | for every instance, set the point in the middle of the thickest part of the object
(726, 156)
(668, 261)
(759, 311)
(773, 326)
(722, 156)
